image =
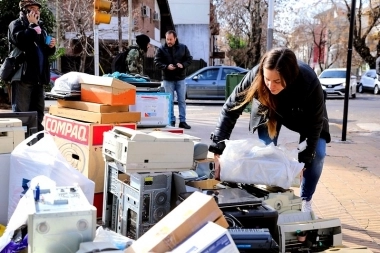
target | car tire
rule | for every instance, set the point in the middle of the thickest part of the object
(360, 88)
(376, 90)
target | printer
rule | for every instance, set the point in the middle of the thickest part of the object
(11, 134)
(157, 151)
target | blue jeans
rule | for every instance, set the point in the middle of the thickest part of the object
(311, 175)
(180, 88)
(28, 97)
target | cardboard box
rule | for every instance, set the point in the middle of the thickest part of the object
(81, 144)
(88, 160)
(221, 221)
(95, 117)
(211, 238)
(154, 107)
(107, 90)
(92, 107)
(85, 133)
(209, 184)
(179, 224)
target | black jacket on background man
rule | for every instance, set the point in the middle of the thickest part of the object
(23, 36)
(300, 107)
(179, 53)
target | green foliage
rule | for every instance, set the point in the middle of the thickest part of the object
(235, 42)
(9, 11)
(58, 53)
(238, 50)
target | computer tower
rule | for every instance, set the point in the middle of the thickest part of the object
(135, 202)
(146, 201)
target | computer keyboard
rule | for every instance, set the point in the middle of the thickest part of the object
(253, 240)
(250, 233)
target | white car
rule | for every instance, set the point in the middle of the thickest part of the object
(333, 82)
(369, 82)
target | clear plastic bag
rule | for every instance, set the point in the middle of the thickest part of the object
(42, 158)
(119, 241)
(251, 162)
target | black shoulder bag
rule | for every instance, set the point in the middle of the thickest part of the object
(12, 63)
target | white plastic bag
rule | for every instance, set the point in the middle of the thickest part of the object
(20, 214)
(67, 83)
(42, 158)
(246, 161)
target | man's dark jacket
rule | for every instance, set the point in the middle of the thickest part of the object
(165, 56)
(23, 36)
(301, 108)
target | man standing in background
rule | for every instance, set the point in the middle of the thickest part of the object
(173, 58)
(135, 58)
(28, 35)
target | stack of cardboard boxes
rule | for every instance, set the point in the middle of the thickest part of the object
(78, 126)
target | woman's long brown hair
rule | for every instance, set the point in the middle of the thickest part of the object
(282, 60)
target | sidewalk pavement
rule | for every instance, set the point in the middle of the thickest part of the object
(349, 187)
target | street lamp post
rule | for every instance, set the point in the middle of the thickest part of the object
(270, 25)
(130, 22)
(58, 39)
(348, 72)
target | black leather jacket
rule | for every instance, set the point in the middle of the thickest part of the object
(23, 36)
(301, 108)
(165, 56)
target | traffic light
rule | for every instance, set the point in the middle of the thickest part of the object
(101, 9)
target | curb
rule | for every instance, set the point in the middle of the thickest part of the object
(335, 129)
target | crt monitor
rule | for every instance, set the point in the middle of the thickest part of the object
(29, 120)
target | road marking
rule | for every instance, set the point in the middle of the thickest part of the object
(369, 126)
(191, 108)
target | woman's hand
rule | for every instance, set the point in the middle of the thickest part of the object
(216, 167)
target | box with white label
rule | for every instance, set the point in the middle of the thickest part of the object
(81, 144)
(154, 108)
(211, 238)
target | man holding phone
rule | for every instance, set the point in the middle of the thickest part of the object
(173, 58)
(27, 34)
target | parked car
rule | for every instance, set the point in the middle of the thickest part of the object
(209, 82)
(369, 82)
(333, 82)
(54, 74)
